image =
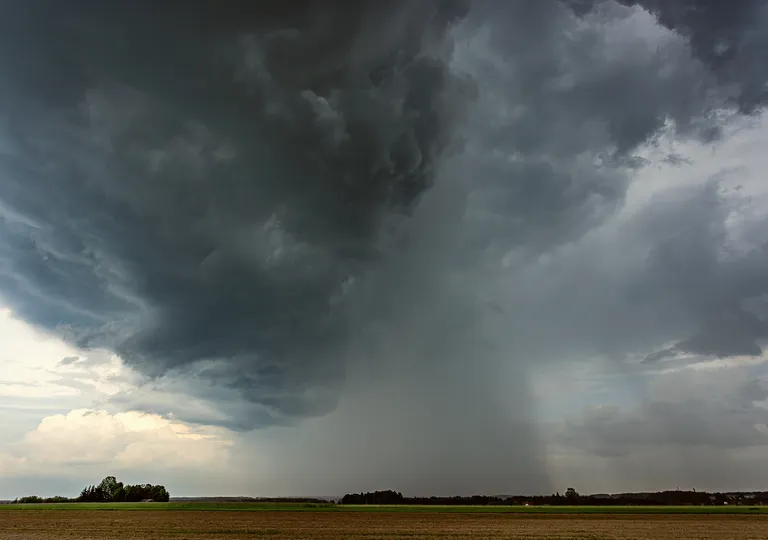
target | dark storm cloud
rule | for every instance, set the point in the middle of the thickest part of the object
(552, 157)
(729, 37)
(256, 197)
(693, 258)
(553, 151)
(197, 181)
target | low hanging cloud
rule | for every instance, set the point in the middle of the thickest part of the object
(274, 209)
(731, 422)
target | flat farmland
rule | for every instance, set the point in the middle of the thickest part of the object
(197, 524)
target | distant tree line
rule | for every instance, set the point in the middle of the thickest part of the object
(109, 490)
(242, 499)
(36, 499)
(570, 498)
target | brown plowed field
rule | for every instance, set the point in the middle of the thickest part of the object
(118, 524)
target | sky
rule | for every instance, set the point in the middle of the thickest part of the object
(446, 247)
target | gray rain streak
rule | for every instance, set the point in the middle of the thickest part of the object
(261, 202)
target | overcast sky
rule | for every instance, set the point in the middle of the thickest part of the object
(441, 247)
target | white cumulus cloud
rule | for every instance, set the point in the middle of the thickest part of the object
(87, 440)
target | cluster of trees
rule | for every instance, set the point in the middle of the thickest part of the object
(376, 497)
(570, 497)
(109, 490)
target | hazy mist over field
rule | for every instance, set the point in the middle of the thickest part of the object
(442, 247)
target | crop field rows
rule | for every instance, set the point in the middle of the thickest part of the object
(38, 524)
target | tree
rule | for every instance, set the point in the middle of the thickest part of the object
(110, 487)
(119, 495)
(92, 494)
(571, 493)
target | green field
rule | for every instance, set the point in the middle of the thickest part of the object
(309, 507)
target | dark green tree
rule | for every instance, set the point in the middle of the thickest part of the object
(110, 487)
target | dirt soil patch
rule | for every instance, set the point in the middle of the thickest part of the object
(161, 525)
